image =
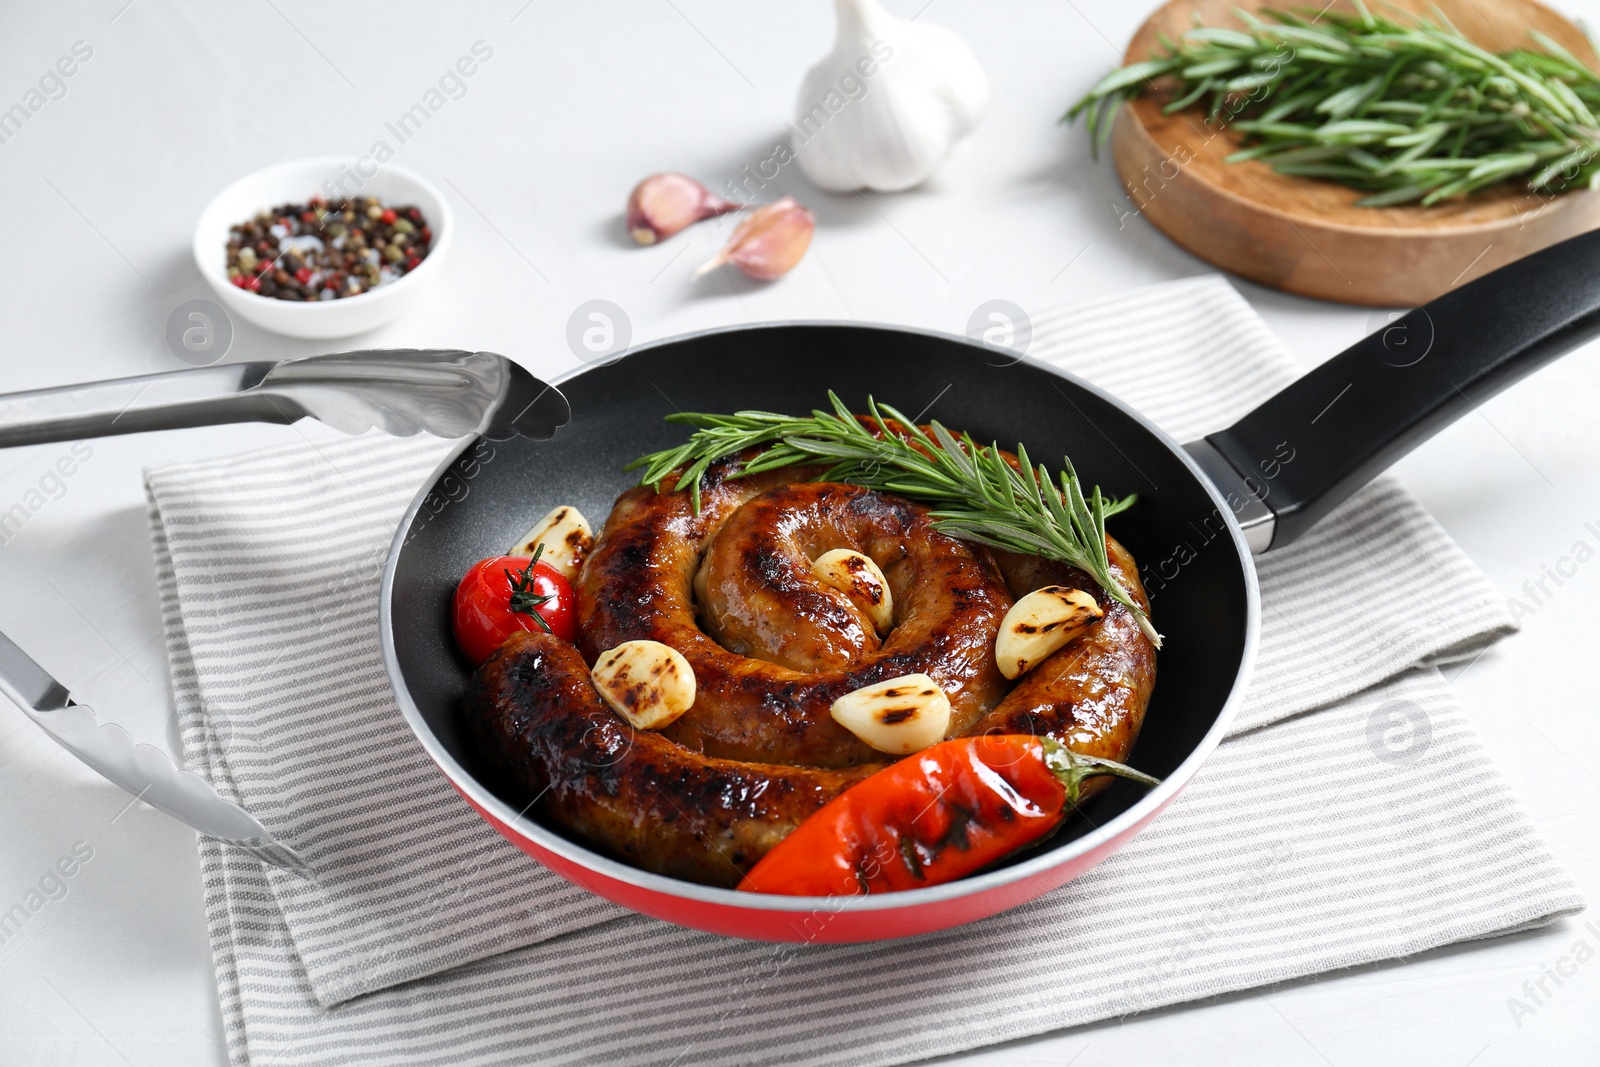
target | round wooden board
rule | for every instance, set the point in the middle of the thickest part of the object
(1306, 236)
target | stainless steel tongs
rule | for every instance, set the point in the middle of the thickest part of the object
(445, 392)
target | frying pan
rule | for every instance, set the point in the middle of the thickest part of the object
(1342, 423)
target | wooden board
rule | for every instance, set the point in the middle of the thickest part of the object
(1307, 236)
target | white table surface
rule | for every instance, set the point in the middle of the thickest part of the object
(98, 195)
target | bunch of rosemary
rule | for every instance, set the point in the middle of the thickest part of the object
(976, 495)
(1402, 112)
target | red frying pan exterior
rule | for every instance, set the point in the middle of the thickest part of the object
(480, 497)
(824, 920)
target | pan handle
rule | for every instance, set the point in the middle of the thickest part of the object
(1310, 446)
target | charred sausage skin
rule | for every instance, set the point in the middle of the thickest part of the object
(638, 585)
(537, 718)
(1091, 694)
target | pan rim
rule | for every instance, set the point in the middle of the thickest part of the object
(1124, 823)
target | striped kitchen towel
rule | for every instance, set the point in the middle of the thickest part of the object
(280, 555)
(1317, 837)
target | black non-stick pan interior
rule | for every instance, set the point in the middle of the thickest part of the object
(495, 491)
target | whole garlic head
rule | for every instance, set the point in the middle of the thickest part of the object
(886, 107)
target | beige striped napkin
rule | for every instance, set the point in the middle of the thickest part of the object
(1317, 837)
(280, 555)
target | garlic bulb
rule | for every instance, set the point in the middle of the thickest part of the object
(887, 106)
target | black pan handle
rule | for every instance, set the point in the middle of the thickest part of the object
(1305, 450)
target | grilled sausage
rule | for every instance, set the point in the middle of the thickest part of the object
(758, 753)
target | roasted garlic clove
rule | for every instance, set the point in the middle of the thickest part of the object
(1040, 623)
(769, 241)
(663, 204)
(900, 716)
(857, 577)
(566, 537)
(646, 682)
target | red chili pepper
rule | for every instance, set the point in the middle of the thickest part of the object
(950, 810)
(303, 275)
(250, 282)
(388, 215)
(411, 264)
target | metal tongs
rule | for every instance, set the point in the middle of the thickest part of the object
(445, 392)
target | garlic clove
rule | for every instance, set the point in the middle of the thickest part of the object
(856, 576)
(769, 241)
(663, 204)
(900, 716)
(566, 537)
(886, 107)
(1039, 624)
(646, 682)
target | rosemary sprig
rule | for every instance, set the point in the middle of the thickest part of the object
(1401, 112)
(976, 495)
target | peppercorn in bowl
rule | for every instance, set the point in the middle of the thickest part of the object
(316, 248)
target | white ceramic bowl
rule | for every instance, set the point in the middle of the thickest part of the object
(295, 182)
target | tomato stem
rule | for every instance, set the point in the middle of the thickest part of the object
(524, 600)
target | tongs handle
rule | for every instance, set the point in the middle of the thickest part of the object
(203, 396)
(445, 392)
(144, 771)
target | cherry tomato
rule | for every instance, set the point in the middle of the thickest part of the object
(487, 598)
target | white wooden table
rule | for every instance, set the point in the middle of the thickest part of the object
(99, 191)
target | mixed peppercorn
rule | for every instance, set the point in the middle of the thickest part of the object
(326, 249)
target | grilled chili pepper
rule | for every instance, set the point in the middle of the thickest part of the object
(950, 810)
